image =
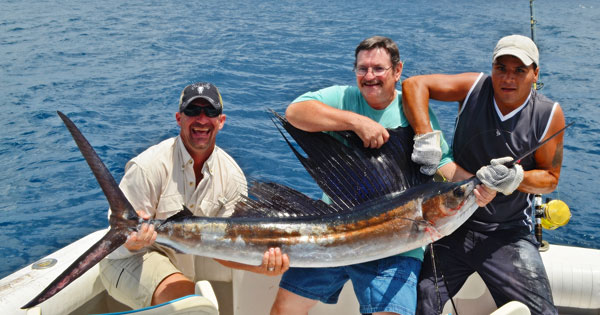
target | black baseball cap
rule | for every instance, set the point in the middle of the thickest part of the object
(205, 90)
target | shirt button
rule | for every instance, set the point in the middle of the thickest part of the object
(191, 183)
(191, 206)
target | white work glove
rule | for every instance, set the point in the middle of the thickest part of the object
(499, 177)
(427, 151)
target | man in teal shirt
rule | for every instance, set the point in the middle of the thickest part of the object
(384, 286)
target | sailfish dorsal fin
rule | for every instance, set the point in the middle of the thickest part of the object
(351, 174)
(347, 172)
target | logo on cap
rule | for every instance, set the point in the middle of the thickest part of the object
(203, 90)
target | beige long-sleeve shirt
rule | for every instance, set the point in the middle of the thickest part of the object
(161, 180)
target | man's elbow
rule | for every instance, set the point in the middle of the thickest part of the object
(553, 183)
(548, 186)
(292, 112)
(409, 85)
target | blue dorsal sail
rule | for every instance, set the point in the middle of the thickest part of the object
(351, 174)
(347, 172)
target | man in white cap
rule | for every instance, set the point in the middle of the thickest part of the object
(500, 117)
(189, 170)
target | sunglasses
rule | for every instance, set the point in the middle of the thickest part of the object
(209, 111)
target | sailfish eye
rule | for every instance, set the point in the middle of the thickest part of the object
(458, 192)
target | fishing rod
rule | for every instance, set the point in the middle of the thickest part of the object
(532, 21)
(518, 159)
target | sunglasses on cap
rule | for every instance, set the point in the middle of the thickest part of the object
(209, 111)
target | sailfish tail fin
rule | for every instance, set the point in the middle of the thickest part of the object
(121, 209)
(123, 218)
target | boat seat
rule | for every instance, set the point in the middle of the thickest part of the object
(191, 304)
(204, 302)
(512, 308)
(474, 298)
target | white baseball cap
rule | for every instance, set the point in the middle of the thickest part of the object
(519, 46)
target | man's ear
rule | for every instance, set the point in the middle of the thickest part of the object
(398, 71)
(178, 118)
(222, 119)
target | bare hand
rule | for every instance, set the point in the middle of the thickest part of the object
(372, 133)
(274, 263)
(484, 195)
(144, 237)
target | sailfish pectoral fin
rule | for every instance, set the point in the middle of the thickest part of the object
(423, 225)
(113, 239)
(419, 227)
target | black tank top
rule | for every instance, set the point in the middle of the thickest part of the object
(483, 134)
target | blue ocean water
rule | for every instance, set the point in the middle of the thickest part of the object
(117, 68)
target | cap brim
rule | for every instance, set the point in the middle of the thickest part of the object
(186, 104)
(514, 52)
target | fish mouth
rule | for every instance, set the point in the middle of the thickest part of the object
(461, 194)
(465, 188)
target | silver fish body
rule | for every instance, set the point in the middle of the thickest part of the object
(386, 226)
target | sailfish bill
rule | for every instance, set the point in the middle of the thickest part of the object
(381, 205)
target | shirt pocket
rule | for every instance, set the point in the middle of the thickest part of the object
(211, 208)
(168, 206)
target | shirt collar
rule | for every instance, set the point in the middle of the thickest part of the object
(512, 113)
(186, 159)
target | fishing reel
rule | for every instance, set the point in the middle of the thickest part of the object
(550, 216)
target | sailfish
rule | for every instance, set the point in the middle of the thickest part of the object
(381, 205)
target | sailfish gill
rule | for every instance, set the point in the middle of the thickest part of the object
(381, 205)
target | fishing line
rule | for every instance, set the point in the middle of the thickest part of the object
(437, 288)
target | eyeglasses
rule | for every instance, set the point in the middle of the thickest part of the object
(209, 111)
(377, 71)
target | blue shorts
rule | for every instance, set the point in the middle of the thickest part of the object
(384, 285)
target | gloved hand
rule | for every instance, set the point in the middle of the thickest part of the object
(427, 151)
(499, 177)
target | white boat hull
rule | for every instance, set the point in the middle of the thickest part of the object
(574, 276)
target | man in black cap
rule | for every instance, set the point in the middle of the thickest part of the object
(189, 170)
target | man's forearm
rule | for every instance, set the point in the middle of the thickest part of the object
(538, 182)
(315, 116)
(454, 173)
(415, 103)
